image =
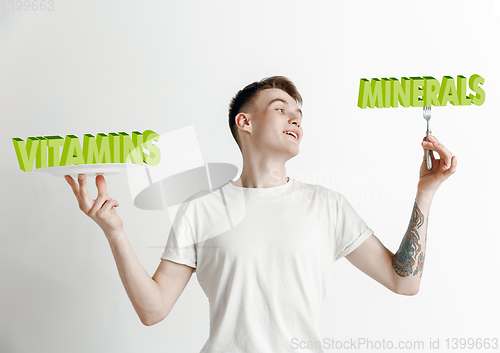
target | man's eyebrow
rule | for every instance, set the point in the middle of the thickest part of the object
(284, 101)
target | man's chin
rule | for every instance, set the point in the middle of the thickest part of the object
(287, 153)
(293, 153)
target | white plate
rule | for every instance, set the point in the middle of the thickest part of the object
(90, 170)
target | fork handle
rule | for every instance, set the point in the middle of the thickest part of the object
(428, 156)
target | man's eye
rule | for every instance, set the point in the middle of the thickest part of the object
(281, 109)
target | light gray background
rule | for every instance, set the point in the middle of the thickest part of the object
(109, 66)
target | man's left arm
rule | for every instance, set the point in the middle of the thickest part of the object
(401, 272)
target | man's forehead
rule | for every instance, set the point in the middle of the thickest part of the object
(270, 95)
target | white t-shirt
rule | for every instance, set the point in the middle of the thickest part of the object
(263, 257)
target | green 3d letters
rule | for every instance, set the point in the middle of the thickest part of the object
(419, 91)
(26, 152)
(111, 148)
(154, 152)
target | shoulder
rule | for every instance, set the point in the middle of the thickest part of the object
(201, 200)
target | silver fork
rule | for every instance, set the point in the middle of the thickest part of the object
(427, 116)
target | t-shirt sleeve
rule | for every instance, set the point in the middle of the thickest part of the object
(181, 247)
(351, 230)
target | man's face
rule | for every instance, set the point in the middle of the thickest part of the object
(276, 112)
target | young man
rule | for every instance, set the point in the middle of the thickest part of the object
(264, 245)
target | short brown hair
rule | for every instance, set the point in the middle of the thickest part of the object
(244, 100)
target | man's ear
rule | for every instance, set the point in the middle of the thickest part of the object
(242, 120)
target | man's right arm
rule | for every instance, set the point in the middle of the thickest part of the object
(152, 297)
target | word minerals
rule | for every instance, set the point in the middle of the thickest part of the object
(419, 91)
(111, 148)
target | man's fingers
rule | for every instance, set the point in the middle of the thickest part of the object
(75, 188)
(73, 185)
(108, 205)
(102, 189)
(452, 169)
(98, 203)
(84, 193)
(434, 145)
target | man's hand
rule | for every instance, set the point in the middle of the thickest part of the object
(102, 209)
(442, 168)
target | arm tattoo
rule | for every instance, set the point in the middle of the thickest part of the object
(404, 259)
(420, 265)
(421, 257)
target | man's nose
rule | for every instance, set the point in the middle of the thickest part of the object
(297, 121)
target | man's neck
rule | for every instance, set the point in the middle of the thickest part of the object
(262, 169)
(262, 178)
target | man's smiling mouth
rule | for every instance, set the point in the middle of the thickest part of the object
(291, 133)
